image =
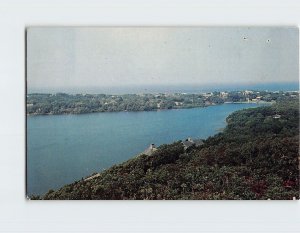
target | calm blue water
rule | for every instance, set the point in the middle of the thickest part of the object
(65, 148)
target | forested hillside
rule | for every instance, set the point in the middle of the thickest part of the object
(255, 157)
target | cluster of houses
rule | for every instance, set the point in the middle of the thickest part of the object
(188, 143)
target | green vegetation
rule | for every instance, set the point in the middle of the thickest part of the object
(255, 157)
(61, 103)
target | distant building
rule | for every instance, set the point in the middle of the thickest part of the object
(150, 150)
(277, 116)
(187, 144)
(248, 92)
(223, 94)
(178, 103)
(207, 94)
(190, 142)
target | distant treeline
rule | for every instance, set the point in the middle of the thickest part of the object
(61, 103)
(255, 157)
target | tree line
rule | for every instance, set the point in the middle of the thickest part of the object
(62, 103)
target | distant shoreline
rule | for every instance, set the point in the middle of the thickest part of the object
(169, 88)
(62, 103)
(154, 110)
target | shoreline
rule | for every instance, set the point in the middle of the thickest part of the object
(154, 110)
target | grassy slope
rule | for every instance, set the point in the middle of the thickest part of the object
(256, 157)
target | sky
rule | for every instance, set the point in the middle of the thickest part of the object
(102, 58)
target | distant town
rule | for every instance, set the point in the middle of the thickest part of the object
(62, 103)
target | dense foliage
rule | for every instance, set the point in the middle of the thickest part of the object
(61, 103)
(255, 157)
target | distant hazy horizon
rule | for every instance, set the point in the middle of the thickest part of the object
(141, 59)
(292, 86)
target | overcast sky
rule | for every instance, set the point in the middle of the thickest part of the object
(63, 58)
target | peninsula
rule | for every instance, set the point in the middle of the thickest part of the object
(62, 103)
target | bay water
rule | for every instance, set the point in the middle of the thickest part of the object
(65, 148)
